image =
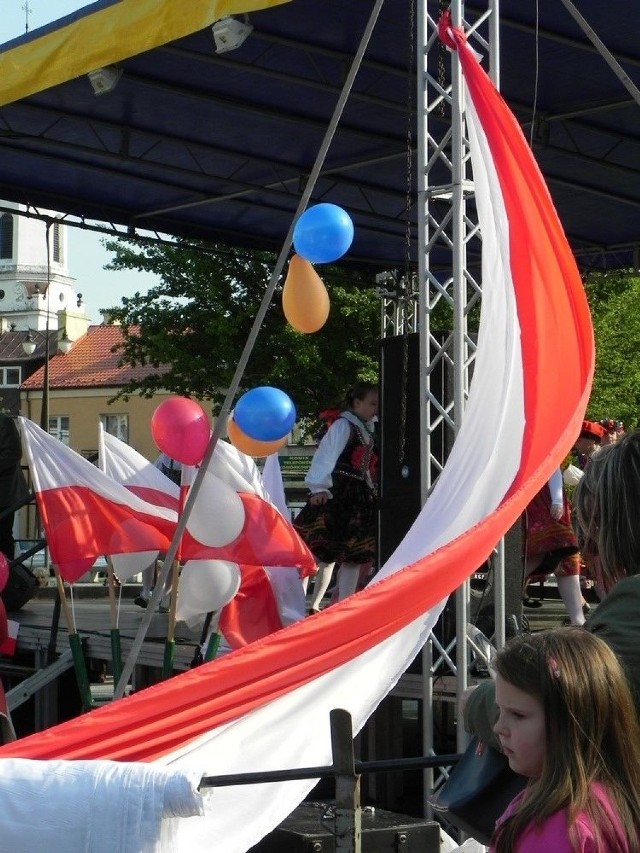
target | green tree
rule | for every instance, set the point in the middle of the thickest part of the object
(192, 327)
(614, 299)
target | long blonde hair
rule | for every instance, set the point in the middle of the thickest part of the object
(592, 735)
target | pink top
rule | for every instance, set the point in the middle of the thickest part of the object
(553, 834)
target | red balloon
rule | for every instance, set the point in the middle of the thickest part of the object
(180, 428)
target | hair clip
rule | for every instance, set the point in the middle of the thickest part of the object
(554, 667)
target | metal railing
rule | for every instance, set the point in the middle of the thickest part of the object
(347, 813)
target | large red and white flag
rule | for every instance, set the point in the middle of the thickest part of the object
(86, 514)
(268, 599)
(131, 469)
(270, 594)
(234, 519)
(267, 706)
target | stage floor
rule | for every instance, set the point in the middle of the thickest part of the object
(91, 613)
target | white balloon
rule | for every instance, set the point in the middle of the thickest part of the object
(206, 585)
(127, 565)
(217, 516)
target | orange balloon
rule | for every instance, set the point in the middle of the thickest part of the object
(251, 446)
(305, 300)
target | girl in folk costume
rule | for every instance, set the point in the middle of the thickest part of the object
(567, 721)
(338, 522)
(551, 546)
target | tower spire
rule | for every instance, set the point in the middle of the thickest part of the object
(27, 9)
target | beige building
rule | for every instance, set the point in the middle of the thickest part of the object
(82, 385)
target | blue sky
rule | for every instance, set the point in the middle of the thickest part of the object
(87, 256)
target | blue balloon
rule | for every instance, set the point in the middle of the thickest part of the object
(323, 233)
(265, 413)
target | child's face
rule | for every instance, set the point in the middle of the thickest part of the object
(367, 407)
(521, 728)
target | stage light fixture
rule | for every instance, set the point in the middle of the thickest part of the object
(229, 33)
(104, 80)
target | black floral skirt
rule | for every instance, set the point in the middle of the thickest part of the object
(343, 529)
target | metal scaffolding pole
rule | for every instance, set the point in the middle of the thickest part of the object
(446, 220)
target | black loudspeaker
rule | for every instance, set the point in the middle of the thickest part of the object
(400, 449)
(311, 827)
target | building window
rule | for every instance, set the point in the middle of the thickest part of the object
(10, 377)
(59, 428)
(117, 425)
(56, 248)
(6, 237)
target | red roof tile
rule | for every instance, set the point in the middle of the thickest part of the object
(89, 364)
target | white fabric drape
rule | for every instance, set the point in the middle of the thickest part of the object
(92, 806)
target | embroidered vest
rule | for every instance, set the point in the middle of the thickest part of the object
(358, 458)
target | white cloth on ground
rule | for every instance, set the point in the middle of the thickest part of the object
(91, 806)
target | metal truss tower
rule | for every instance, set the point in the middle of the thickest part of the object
(447, 228)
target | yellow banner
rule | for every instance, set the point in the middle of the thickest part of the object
(125, 29)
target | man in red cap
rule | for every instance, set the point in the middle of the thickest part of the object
(591, 435)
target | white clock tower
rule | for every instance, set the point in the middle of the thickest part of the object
(26, 268)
